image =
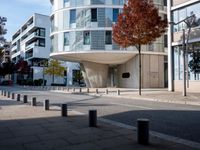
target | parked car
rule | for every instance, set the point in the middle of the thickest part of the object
(7, 82)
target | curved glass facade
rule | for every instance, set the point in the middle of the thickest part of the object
(83, 25)
(182, 13)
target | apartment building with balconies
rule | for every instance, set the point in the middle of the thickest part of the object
(32, 43)
(179, 10)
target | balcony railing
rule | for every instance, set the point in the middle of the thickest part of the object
(30, 46)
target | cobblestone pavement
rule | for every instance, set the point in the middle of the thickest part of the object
(23, 127)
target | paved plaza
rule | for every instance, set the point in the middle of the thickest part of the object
(25, 127)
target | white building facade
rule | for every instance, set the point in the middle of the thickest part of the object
(179, 10)
(82, 32)
(32, 43)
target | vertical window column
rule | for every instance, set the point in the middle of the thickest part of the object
(108, 39)
(86, 37)
(94, 15)
(72, 16)
(115, 14)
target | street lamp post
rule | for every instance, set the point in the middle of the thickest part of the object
(189, 21)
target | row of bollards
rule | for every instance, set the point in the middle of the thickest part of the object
(142, 124)
(73, 89)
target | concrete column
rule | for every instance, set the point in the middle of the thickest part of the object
(170, 63)
(85, 75)
(96, 74)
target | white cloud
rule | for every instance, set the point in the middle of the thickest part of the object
(45, 3)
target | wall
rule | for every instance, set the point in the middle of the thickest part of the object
(193, 86)
(152, 72)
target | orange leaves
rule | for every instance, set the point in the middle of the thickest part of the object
(138, 24)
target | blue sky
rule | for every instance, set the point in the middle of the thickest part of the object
(18, 11)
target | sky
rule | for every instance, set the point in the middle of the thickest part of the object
(19, 11)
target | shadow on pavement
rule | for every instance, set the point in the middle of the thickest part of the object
(182, 124)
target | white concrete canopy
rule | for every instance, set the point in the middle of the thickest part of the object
(102, 57)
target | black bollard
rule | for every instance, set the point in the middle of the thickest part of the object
(143, 131)
(64, 110)
(80, 90)
(88, 90)
(46, 104)
(8, 95)
(13, 95)
(34, 102)
(92, 118)
(25, 99)
(4, 93)
(74, 89)
(18, 97)
(97, 91)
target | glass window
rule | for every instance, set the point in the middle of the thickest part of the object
(66, 2)
(115, 14)
(94, 15)
(108, 17)
(166, 41)
(176, 63)
(108, 39)
(73, 16)
(194, 9)
(41, 32)
(66, 39)
(86, 38)
(41, 42)
(182, 16)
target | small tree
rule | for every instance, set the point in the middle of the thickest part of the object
(22, 68)
(7, 68)
(55, 69)
(137, 25)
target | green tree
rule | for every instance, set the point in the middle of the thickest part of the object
(55, 69)
(138, 24)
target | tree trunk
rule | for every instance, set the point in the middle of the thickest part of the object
(53, 76)
(140, 71)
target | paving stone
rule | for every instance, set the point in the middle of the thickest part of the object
(18, 140)
(85, 146)
(47, 145)
(79, 139)
(6, 135)
(55, 135)
(87, 130)
(112, 142)
(13, 147)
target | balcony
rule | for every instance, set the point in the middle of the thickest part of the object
(29, 55)
(30, 46)
(14, 48)
(32, 37)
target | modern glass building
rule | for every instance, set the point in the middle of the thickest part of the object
(179, 10)
(81, 31)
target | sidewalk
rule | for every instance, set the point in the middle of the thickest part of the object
(158, 95)
(23, 127)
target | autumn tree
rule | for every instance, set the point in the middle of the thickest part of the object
(55, 69)
(138, 24)
(22, 68)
